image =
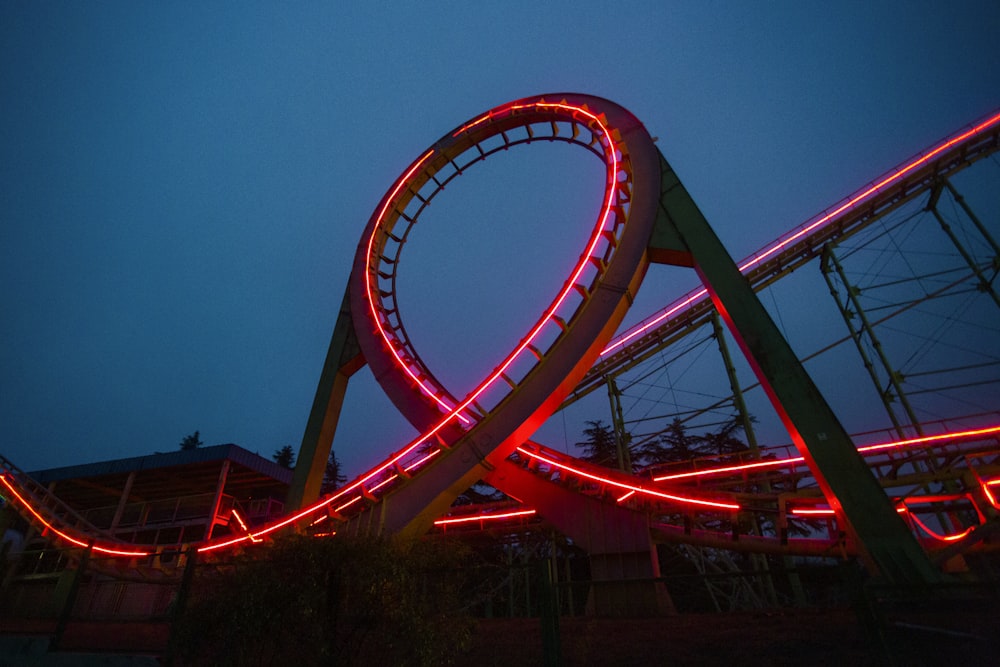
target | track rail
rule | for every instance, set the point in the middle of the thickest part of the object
(484, 434)
(801, 245)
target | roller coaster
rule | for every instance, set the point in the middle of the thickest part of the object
(908, 501)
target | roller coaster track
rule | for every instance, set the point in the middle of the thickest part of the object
(801, 245)
(484, 435)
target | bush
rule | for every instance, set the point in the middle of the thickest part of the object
(332, 601)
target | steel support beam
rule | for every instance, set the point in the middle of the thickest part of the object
(738, 400)
(343, 359)
(623, 439)
(894, 390)
(985, 282)
(683, 236)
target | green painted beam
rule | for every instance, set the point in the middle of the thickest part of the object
(889, 548)
(343, 359)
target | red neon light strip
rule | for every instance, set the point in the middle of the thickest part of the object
(99, 548)
(390, 200)
(625, 497)
(350, 502)
(456, 410)
(324, 503)
(989, 495)
(868, 449)
(934, 534)
(290, 519)
(798, 511)
(928, 439)
(416, 464)
(726, 469)
(483, 517)
(546, 317)
(553, 308)
(453, 412)
(243, 525)
(904, 508)
(628, 487)
(853, 201)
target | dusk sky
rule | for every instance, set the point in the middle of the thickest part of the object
(183, 185)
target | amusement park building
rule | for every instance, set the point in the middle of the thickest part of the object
(162, 499)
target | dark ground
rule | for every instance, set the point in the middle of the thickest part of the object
(803, 638)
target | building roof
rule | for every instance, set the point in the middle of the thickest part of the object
(167, 475)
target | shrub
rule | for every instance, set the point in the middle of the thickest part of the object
(332, 601)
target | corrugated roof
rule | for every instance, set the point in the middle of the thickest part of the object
(159, 461)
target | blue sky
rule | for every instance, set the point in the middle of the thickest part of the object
(183, 185)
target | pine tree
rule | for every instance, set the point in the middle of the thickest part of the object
(674, 444)
(332, 475)
(600, 446)
(284, 457)
(191, 442)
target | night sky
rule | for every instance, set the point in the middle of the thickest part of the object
(183, 185)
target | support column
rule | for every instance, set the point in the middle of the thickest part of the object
(343, 359)
(623, 439)
(738, 401)
(683, 236)
(122, 502)
(627, 585)
(828, 261)
(985, 283)
(64, 596)
(217, 500)
(623, 557)
(759, 561)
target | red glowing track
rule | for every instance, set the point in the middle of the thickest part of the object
(632, 487)
(972, 143)
(856, 200)
(463, 440)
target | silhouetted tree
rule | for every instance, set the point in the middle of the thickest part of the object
(191, 441)
(332, 476)
(723, 441)
(284, 457)
(599, 447)
(675, 444)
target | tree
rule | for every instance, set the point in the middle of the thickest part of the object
(676, 445)
(284, 457)
(335, 601)
(191, 442)
(723, 441)
(332, 475)
(600, 446)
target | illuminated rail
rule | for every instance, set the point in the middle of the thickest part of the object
(447, 422)
(900, 185)
(628, 487)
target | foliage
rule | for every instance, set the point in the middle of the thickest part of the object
(334, 601)
(192, 441)
(333, 476)
(724, 440)
(481, 493)
(284, 457)
(600, 446)
(675, 444)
